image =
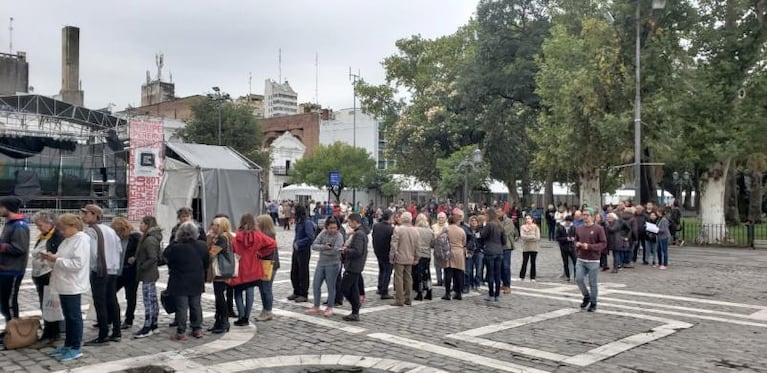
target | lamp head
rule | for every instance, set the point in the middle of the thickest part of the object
(476, 156)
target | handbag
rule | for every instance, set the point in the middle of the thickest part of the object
(21, 332)
(167, 302)
(268, 266)
(51, 305)
(225, 265)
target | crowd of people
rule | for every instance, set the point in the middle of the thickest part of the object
(78, 254)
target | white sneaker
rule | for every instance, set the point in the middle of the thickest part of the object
(532, 280)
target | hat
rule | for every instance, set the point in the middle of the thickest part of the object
(93, 209)
(12, 204)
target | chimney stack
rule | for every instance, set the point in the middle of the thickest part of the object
(70, 66)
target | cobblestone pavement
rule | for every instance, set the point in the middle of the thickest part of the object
(706, 313)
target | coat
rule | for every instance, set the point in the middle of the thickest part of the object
(188, 262)
(71, 271)
(356, 252)
(426, 242)
(563, 234)
(457, 238)
(531, 237)
(147, 254)
(218, 244)
(129, 270)
(493, 238)
(618, 235)
(511, 232)
(405, 243)
(251, 246)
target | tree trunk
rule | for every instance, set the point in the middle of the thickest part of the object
(755, 199)
(590, 193)
(513, 194)
(526, 190)
(548, 190)
(731, 192)
(713, 183)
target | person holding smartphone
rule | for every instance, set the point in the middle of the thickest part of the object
(328, 243)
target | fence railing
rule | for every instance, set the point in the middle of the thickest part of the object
(109, 214)
(742, 235)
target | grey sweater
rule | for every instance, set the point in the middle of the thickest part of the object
(328, 255)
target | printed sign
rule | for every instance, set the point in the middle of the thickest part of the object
(334, 178)
(146, 167)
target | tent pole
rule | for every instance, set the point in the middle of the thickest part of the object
(202, 198)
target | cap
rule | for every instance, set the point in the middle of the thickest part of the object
(94, 209)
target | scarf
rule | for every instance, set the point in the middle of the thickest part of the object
(102, 259)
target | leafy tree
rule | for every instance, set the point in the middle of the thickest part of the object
(240, 129)
(356, 165)
(581, 82)
(455, 170)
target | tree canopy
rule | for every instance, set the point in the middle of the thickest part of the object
(356, 166)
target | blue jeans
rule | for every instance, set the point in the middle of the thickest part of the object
(243, 310)
(663, 252)
(438, 270)
(650, 248)
(329, 274)
(73, 318)
(468, 276)
(479, 265)
(265, 289)
(506, 268)
(493, 263)
(592, 270)
(621, 258)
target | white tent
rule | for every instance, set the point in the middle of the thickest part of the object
(628, 194)
(223, 180)
(296, 191)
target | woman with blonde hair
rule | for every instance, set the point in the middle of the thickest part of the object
(421, 271)
(265, 224)
(220, 242)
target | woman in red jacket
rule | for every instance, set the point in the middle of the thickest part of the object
(251, 245)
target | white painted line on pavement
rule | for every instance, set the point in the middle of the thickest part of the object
(514, 323)
(499, 365)
(319, 320)
(759, 315)
(322, 360)
(641, 309)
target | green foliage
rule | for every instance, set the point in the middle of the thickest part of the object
(357, 167)
(240, 129)
(457, 169)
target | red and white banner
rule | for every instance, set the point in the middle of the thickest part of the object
(145, 168)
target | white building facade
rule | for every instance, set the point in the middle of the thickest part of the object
(279, 99)
(285, 151)
(365, 134)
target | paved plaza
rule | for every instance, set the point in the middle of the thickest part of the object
(706, 313)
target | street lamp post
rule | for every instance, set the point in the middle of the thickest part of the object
(656, 4)
(354, 77)
(469, 163)
(219, 99)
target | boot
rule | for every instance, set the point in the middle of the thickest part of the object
(428, 295)
(419, 296)
(216, 324)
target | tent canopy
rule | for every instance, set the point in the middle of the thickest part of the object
(292, 192)
(223, 180)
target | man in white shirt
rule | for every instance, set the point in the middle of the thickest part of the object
(105, 263)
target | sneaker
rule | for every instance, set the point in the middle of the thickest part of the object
(592, 307)
(292, 297)
(662, 267)
(352, 317)
(328, 312)
(143, 333)
(264, 316)
(495, 299)
(300, 299)
(532, 280)
(313, 311)
(126, 326)
(585, 303)
(242, 322)
(70, 354)
(57, 352)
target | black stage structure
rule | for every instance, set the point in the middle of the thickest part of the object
(55, 155)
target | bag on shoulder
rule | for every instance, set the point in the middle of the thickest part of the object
(442, 249)
(225, 265)
(21, 332)
(167, 302)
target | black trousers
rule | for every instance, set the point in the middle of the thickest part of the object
(384, 273)
(528, 256)
(230, 300)
(640, 242)
(188, 306)
(422, 275)
(105, 302)
(568, 256)
(51, 329)
(299, 272)
(454, 277)
(9, 296)
(219, 292)
(131, 288)
(350, 286)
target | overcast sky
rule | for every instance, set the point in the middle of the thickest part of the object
(218, 43)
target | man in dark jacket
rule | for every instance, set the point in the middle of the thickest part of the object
(14, 254)
(640, 234)
(302, 253)
(355, 255)
(382, 233)
(566, 238)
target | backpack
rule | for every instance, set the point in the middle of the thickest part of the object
(442, 250)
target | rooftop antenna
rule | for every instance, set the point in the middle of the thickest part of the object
(316, 78)
(159, 62)
(279, 65)
(10, 33)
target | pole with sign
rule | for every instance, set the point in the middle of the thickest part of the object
(334, 183)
